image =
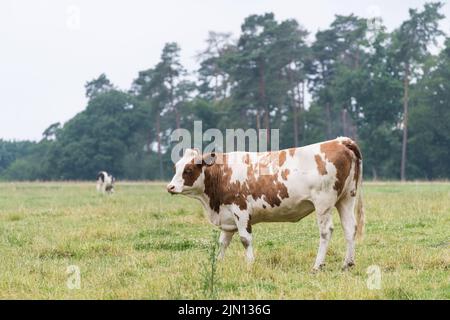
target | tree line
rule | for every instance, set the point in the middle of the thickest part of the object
(390, 91)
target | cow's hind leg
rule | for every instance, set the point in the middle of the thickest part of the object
(224, 242)
(346, 208)
(244, 226)
(325, 222)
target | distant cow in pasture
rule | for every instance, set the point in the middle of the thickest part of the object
(105, 182)
(240, 189)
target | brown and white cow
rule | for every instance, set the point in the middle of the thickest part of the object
(240, 189)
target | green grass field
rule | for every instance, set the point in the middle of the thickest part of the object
(141, 243)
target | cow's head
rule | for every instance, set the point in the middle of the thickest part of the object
(189, 175)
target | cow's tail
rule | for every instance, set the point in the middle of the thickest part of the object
(359, 208)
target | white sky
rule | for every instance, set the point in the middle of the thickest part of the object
(46, 58)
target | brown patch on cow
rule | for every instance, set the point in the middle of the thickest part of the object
(281, 158)
(249, 225)
(351, 145)
(265, 186)
(341, 157)
(320, 165)
(221, 191)
(191, 172)
(246, 159)
(292, 152)
(285, 173)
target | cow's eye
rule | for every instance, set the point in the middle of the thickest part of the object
(187, 170)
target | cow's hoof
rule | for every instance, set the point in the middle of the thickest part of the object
(348, 266)
(317, 269)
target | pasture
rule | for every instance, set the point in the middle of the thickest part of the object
(142, 243)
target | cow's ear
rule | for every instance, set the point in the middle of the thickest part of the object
(209, 159)
(192, 152)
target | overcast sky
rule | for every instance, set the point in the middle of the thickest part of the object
(50, 48)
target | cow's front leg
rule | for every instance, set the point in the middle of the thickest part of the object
(325, 222)
(224, 242)
(244, 226)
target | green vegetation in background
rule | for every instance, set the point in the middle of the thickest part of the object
(386, 90)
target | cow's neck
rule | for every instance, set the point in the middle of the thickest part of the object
(210, 214)
(209, 198)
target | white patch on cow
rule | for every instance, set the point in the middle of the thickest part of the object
(239, 171)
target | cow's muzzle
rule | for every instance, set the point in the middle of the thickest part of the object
(171, 189)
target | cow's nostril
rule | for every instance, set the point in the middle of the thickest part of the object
(170, 187)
